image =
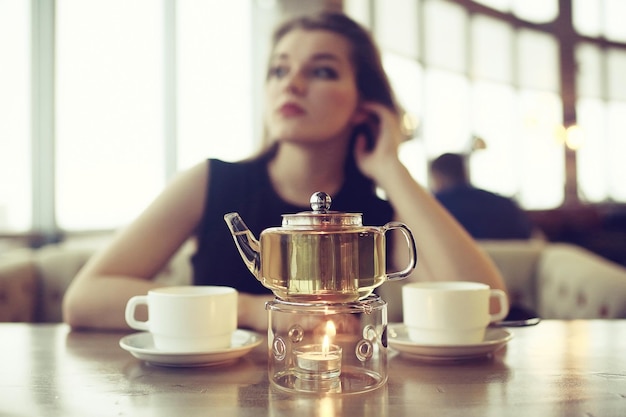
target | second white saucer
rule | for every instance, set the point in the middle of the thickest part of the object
(495, 338)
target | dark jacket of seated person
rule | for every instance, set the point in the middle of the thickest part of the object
(484, 214)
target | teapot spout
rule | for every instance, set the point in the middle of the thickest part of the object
(248, 245)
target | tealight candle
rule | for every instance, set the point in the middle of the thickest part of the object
(318, 361)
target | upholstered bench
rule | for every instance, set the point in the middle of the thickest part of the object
(559, 281)
(33, 282)
(19, 285)
(556, 280)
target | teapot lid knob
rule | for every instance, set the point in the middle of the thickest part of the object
(320, 202)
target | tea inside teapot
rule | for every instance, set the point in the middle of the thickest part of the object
(328, 266)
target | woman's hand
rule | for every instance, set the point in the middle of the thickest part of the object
(388, 135)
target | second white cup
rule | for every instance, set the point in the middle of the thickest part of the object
(187, 318)
(451, 312)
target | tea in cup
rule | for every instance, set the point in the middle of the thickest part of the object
(450, 313)
(187, 318)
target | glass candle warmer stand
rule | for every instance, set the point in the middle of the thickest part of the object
(327, 348)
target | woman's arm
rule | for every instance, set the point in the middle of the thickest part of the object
(97, 296)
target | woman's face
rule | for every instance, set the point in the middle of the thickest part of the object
(311, 92)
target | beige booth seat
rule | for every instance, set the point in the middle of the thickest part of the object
(33, 282)
(557, 280)
(563, 281)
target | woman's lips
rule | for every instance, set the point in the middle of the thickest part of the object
(291, 109)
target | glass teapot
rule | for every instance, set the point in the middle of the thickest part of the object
(321, 255)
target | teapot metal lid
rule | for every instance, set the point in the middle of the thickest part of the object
(322, 216)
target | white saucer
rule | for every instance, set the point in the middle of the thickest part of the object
(495, 338)
(141, 346)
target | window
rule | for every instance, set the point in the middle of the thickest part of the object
(102, 101)
(445, 26)
(395, 27)
(601, 111)
(501, 82)
(496, 168)
(109, 110)
(214, 81)
(597, 18)
(477, 76)
(447, 120)
(539, 150)
(593, 176)
(406, 76)
(537, 11)
(124, 94)
(15, 117)
(492, 56)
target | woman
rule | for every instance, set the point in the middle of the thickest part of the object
(324, 84)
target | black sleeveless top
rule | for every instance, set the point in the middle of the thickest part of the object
(244, 187)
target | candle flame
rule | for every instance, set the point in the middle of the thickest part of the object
(330, 328)
(330, 332)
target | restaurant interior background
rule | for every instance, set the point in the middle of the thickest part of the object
(102, 101)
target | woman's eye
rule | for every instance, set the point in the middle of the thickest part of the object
(325, 72)
(277, 71)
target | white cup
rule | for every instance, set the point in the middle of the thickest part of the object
(187, 318)
(450, 313)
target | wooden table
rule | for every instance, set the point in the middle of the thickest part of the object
(557, 368)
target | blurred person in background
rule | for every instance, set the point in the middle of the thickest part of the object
(484, 214)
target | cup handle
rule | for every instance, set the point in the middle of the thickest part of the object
(131, 306)
(412, 250)
(503, 301)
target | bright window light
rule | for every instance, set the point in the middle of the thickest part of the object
(109, 110)
(15, 108)
(214, 81)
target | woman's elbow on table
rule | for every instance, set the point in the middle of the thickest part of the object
(99, 303)
(75, 310)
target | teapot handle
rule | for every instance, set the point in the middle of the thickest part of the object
(412, 250)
